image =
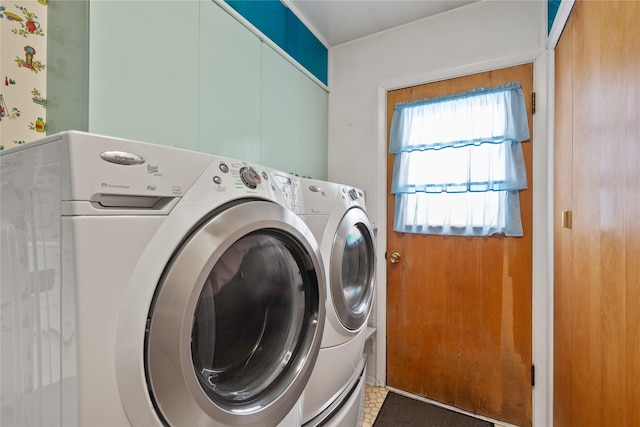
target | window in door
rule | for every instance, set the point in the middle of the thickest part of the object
(458, 163)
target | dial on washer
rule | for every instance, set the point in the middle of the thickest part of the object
(250, 177)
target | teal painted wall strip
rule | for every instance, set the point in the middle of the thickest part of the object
(552, 10)
(284, 28)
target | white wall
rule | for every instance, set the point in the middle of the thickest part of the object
(478, 37)
(408, 55)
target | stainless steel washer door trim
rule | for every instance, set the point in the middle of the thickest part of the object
(350, 318)
(175, 387)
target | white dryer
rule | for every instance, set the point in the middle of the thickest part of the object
(147, 285)
(336, 214)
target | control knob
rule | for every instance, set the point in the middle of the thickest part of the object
(250, 177)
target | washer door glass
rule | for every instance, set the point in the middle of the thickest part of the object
(248, 319)
(352, 269)
(356, 268)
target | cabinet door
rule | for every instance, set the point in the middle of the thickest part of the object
(143, 63)
(314, 123)
(280, 112)
(229, 117)
(67, 72)
(294, 118)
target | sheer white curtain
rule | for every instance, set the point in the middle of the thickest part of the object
(459, 163)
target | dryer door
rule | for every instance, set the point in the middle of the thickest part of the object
(235, 327)
(352, 269)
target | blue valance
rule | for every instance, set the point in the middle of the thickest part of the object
(491, 115)
(487, 167)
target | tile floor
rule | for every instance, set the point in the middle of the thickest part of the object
(373, 399)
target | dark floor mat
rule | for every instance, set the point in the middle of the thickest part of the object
(400, 411)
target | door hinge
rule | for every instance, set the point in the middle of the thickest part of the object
(533, 102)
(533, 376)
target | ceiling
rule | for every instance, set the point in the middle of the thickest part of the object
(339, 21)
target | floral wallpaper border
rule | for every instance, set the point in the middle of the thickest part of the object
(23, 103)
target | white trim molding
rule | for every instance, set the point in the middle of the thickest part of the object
(564, 10)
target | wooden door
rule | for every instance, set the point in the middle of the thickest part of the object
(597, 256)
(459, 308)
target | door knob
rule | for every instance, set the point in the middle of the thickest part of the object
(394, 258)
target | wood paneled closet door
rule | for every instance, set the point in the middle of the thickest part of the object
(459, 308)
(597, 179)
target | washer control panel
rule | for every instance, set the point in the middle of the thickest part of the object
(238, 175)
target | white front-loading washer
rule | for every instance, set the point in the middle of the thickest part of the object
(147, 285)
(336, 214)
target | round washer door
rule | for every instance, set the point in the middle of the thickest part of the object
(236, 323)
(352, 269)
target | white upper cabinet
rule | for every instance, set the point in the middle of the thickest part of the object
(143, 71)
(294, 118)
(186, 74)
(314, 130)
(229, 97)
